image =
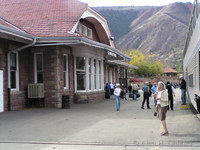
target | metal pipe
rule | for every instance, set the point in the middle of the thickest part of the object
(26, 46)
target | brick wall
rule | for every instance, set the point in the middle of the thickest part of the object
(53, 76)
(19, 98)
(89, 97)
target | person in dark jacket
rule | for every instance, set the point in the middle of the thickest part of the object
(183, 90)
(107, 90)
(171, 94)
(145, 95)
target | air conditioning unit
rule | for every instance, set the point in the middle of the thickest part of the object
(36, 90)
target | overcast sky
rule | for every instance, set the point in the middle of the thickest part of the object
(94, 3)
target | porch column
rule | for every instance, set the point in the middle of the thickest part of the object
(52, 77)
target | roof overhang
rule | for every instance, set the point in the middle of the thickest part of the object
(15, 35)
(121, 63)
(111, 52)
(19, 36)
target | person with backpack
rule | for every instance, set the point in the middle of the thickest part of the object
(135, 89)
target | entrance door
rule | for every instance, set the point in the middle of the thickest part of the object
(1, 91)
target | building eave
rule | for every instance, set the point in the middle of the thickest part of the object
(15, 35)
(42, 41)
(121, 63)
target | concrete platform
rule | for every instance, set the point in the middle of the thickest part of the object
(99, 127)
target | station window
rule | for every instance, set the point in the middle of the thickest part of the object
(38, 68)
(13, 71)
(80, 73)
(90, 78)
(65, 71)
(84, 30)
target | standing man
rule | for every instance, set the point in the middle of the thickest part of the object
(117, 92)
(154, 92)
(145, 95)
(111, 88)
(107, 90)
(183, 90)
(135, 90)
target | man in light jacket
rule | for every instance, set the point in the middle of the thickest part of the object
(117, 93)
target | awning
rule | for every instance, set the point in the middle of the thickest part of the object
(124, 64)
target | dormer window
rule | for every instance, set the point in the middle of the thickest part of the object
(82, 29)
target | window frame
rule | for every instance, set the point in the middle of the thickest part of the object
(79, 70)
(90, 76)
(35, 68)
(66, 71)
(16, 72)
(84, 30)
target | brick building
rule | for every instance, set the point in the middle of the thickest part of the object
(62, 45)
(169, 72)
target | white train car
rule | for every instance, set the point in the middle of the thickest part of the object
(191, 62)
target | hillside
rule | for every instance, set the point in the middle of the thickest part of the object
(153, 30)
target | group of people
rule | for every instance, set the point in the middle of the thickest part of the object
(162, 94)
(163, 99)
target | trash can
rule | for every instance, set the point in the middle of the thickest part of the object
(65, 102)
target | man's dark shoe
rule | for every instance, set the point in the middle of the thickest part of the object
(148, 108)
(142, 107)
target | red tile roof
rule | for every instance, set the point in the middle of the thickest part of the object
(170, 70)
(43, 18)
(4, 23)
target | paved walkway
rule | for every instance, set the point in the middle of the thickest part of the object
(99, 127)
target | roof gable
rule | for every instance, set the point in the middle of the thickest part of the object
(43, 18)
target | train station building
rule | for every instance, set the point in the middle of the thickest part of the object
(50, 50)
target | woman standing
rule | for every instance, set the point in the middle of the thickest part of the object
(117, 92)
(162, 105)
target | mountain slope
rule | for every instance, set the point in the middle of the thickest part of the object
(161, 33)
(157, 30)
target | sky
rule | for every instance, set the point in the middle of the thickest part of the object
(96, 3)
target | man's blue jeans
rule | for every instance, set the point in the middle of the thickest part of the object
(134, 94)
(118, 102)
(155, 101)
(183, 96)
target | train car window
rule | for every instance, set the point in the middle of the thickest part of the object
(191, 80)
